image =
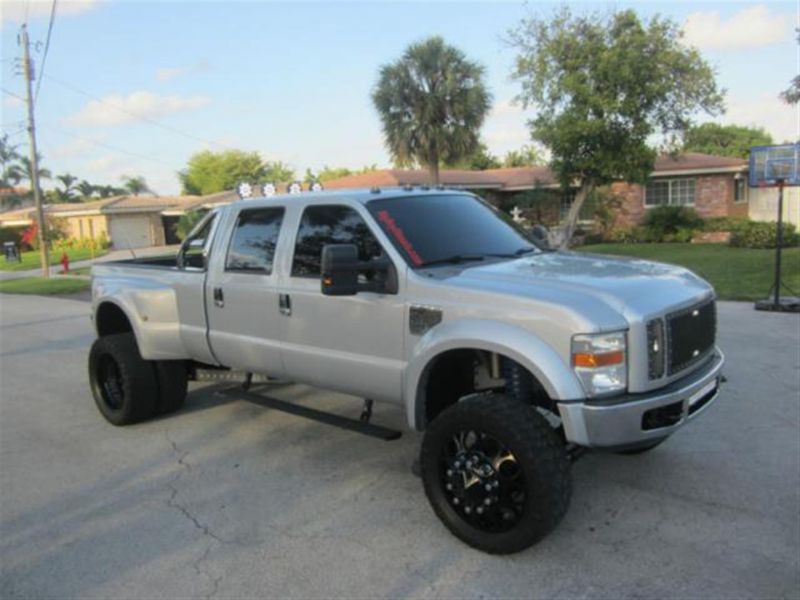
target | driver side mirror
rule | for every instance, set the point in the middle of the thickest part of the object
(192, 254)
(540, 236)
(343, 274)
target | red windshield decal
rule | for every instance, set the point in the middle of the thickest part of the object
(392, 227)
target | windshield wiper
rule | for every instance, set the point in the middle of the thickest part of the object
(453, 260)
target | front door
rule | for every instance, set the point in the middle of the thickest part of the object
(352, 344)
(245, 326)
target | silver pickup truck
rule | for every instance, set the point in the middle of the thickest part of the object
(508, 356)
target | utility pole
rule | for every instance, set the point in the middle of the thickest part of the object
(37, 192)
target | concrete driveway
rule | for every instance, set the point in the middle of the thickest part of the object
(227, 500)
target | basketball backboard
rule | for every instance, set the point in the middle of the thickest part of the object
(771, 164)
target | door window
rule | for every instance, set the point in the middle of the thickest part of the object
(330, 225)
(255, 237)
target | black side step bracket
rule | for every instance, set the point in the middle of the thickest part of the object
(362, 427)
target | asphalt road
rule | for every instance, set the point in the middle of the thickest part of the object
(227, 499)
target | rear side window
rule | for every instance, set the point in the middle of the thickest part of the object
(255, 237)
(330, 225)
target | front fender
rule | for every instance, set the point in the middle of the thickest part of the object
(529, 351)
(152, 311)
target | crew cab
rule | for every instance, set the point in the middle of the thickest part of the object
(509, 356)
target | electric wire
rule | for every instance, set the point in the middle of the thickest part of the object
(71, 87)
(46, 48)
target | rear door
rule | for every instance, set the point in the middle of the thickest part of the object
(244, 325)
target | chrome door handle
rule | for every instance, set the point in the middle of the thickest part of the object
(219, 298)
(285, 304)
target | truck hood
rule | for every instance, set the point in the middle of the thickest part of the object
(631, 287)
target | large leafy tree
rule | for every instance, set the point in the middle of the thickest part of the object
(210, 172)
(602, 86)
(432, 103)
(725, 140)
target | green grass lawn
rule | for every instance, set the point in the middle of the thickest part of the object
(30, 260)
(736, 273)
(43, 287)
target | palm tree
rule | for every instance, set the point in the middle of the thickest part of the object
(135, 185)
(25, 162)
(106, 191)
(86, 189)
(68, 181)
(432, 103)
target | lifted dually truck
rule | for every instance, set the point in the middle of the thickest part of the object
(509, 357)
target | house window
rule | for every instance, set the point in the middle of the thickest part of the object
(91, 228)
(740, 190)
(80, 228)
(677, 192)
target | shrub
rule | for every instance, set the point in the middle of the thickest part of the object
(725, 223)
(630, 235)
(664, 222)
(759, 234)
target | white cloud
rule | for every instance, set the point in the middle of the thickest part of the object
(768, 111)
(76, 148)
(14, 10)
(505, 128)
(116, 109)
(168, 73)
(751, 27)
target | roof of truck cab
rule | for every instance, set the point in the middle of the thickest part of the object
(363, 196)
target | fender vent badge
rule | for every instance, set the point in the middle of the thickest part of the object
(423, 318)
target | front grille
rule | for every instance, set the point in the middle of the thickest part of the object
(690, 336)
(656, 352)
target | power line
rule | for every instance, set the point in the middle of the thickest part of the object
(52, 127)
(12, 94)
(46, 48)
(134, 115)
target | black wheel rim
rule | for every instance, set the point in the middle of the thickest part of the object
(109, 381)
(483, 481)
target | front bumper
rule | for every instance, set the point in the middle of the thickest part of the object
(636, 419)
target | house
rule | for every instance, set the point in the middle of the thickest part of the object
(127, 221)
(715, 186)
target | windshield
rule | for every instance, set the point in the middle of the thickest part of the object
(447, 229)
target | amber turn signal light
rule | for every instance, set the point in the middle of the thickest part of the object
(592, 361)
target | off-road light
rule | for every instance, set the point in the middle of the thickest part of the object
(245, 190)
(316, 186)
(600, 362)
(269, 189)
(294, 188)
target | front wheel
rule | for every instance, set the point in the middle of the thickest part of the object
(495, 473)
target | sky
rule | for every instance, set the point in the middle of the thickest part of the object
(135, 88)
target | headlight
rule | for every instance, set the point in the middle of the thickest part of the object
(600, 362)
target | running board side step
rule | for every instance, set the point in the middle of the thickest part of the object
(357, 426)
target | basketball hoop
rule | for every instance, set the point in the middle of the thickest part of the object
(776, 166)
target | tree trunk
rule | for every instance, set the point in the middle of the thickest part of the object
(433, 173)
(571, 221)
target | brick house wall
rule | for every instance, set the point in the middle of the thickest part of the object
(713, 197)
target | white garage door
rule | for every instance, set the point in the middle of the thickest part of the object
(130, 232)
